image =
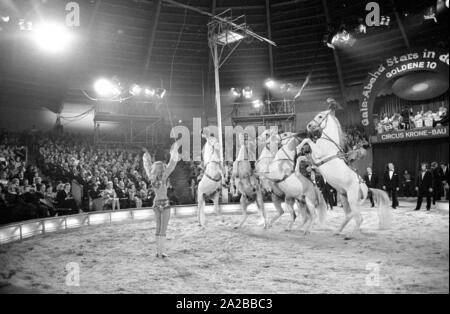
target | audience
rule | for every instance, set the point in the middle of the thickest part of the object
(407, 120)
(113, 178)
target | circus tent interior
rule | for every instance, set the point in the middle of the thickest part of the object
(88, 89)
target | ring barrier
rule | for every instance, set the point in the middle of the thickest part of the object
(30, 228)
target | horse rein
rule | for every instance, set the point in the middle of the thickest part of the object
(325, 135)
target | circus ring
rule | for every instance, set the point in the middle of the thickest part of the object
(114, 253)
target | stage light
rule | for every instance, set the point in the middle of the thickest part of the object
(104, 87)
(235, 92)
(361, 28)
(342, 38)
(385, 20)
(5, 19)
(257, 104)
(289, 87)
(430, 14)
(247, 93)
(135, 90)
(440, 6)
(160, 93)
(149, 92)
(270, 83)
(52, 37)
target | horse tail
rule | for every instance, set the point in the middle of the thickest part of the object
(381, 198)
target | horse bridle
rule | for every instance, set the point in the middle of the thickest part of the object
(284, 150)
(326, 136)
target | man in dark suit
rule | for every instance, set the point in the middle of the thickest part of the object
(391, 184)
(445, 178)
(437, 173)
(371, 181)
(424, 186)
(327, 191)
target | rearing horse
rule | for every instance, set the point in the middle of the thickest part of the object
(211, 182)
(294, 185)
(268, 138)
(247, 183)
(326, 155)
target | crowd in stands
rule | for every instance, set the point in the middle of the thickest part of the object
(406, 120)
(107, 178)
(103, 177)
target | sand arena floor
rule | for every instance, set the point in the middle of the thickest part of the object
(412, 257)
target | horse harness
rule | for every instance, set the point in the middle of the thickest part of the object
(208, 176)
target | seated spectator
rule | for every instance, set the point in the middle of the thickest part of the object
(428, 119)
(65, 200)
(443, 116)
(133, 198)
(122, 192)
(110, 196)
(418, 120)
(4, 178)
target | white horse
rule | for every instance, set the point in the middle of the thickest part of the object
(294, 185)
(247, 183)
(211, 182)
(269, 138)
(326, 155)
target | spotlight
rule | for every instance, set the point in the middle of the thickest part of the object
(52, 37)
(343, 38)
(104, 87)
(270, 83)
(385, 20)
(5, 19)
(247, 93)
(235, 92)
(149, 92)
(440, 6)
(257, 103)
(289, 87)
(430, 14)
(135, 90)
(361, 28)
(160, 93)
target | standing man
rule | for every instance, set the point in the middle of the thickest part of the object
(424, 186)
(371, 182)
(437, 173)
(445, 178)
(391, 184)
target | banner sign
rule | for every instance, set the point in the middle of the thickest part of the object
(412, 135)
(432, 60)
